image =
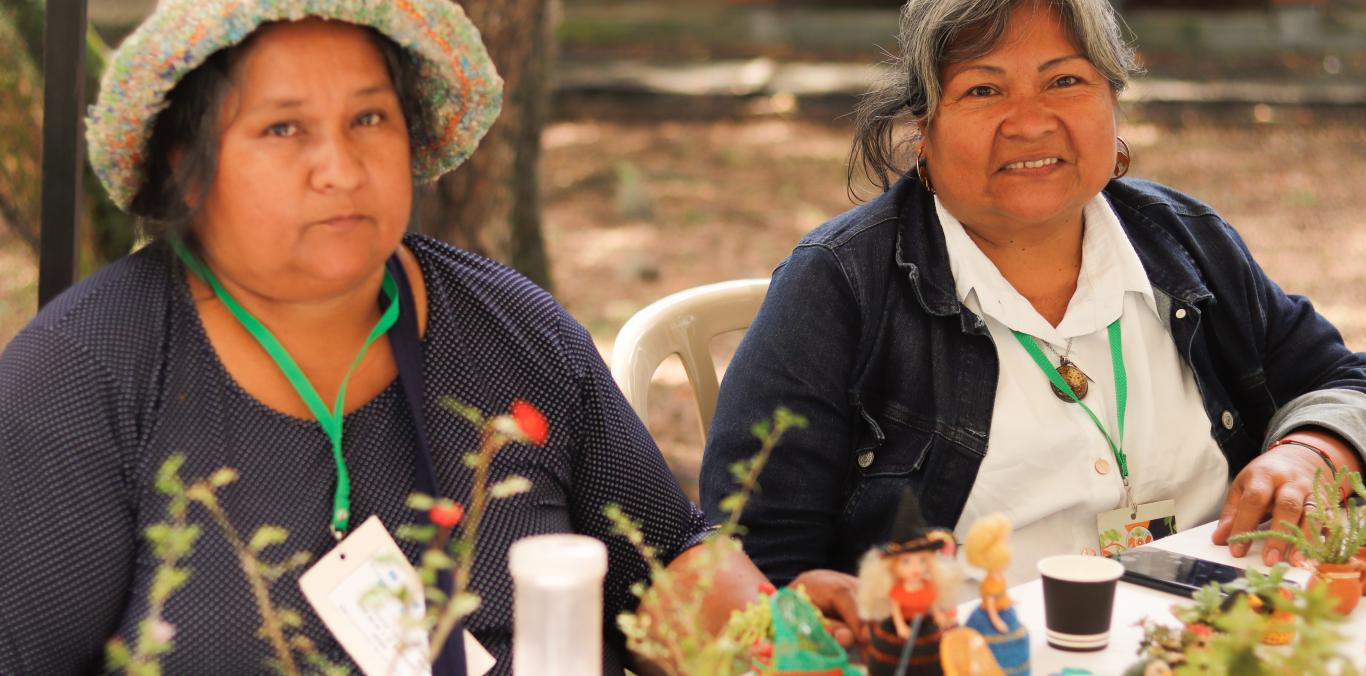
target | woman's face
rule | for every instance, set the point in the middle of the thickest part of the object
(1024, 136)
(909, 567)
(314, 183)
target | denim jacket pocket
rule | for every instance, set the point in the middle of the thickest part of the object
(891, 456)
(892, 444)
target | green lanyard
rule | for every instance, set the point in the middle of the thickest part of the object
(331, 421)
(1121, 394)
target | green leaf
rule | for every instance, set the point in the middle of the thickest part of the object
(116, 655)
(786, 419)
(761, 429)
(513, 485)
(167, 581)
(464, 603)
(412, 533)
(202, 494)
(435, 595)
(223, 477)
(266, 536)
(290, 618)
(437, 559)
(421, 502)
(168, 475)
(470, 413)
(732, 503)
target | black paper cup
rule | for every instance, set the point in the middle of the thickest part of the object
(1078, 597)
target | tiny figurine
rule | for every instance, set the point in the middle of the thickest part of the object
(801, 646)
(988, 548)
(899, 591)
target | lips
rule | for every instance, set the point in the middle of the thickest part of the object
(344, 219)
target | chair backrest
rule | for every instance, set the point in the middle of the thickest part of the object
(684, 324)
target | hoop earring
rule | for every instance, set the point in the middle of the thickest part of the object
(1122, 158)
(920, 172)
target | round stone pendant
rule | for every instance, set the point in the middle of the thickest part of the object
(1074, 378)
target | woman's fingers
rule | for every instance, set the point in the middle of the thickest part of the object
(1249, 507)
(1287, 507)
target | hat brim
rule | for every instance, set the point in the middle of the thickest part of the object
(460, 87)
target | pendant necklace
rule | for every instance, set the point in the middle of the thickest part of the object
(1070, 373)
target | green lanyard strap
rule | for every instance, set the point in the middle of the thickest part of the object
(330, 420)
(1121, 392)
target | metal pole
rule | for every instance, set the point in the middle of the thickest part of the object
(63, 145)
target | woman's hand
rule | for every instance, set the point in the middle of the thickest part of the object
(834, 594)
(1279, 482)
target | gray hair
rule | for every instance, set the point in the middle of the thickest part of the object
(935, 33)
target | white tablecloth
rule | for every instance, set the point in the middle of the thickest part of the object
(1133, 603)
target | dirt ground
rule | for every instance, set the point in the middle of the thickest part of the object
(637, 210)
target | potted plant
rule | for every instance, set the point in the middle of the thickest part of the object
(1331, 537)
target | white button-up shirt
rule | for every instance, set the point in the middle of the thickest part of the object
(1040, 469)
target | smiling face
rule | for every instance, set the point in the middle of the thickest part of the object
(1024, 136)
(910, 567)
(314, 181)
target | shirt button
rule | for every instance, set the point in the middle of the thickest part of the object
(1102, 466)
(865, 459)
(1181, 313)
(1227, 420)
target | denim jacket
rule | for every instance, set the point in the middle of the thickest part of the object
(862, 333)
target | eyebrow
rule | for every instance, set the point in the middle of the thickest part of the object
(997, 70)
(364, 92)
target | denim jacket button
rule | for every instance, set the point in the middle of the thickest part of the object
(865, 459)
(1181, 313)
(1227, 420)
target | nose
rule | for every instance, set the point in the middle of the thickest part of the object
(338, 164)
(1029, 118)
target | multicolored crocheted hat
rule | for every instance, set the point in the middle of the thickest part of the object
(460, 87)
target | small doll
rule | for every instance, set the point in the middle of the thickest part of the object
(899, 590)
(988, 548)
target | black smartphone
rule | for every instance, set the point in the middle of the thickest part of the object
(1171, 572)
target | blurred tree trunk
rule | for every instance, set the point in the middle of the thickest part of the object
(491, 204)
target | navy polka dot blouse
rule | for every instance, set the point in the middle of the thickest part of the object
(117, 374)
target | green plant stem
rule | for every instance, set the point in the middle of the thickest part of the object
(252, 567)
(489, 445)
(157, 605)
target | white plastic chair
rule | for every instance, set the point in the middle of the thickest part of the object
(684, 324)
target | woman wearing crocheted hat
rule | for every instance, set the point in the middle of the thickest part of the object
(271, 148)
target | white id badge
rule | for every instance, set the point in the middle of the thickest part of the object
(1125, 528)
(354, 589)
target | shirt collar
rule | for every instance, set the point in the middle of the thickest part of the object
(1110, 268)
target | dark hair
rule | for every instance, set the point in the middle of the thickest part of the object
(934, 33)
(188, 125)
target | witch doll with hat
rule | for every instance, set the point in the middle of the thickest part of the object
(900, 587)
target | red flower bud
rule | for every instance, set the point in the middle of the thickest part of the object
(532, 423)
(447, 515)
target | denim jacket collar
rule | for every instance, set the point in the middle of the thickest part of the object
(923, 256)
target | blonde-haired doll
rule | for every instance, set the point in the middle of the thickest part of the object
(988, 547)
(901, 587)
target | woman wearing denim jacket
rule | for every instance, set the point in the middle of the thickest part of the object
(925, 334)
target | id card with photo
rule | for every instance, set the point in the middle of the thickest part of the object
(1120, 530)
(370, 598)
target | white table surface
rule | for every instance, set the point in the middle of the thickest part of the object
(1133, 603)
